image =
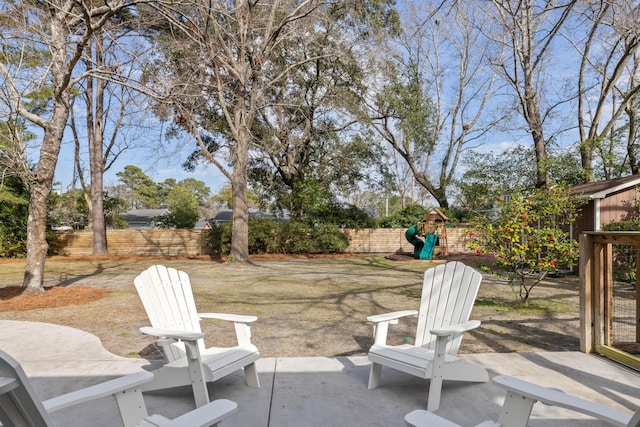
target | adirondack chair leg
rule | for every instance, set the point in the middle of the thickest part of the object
(515, 410)
(131, 406)
(196, 373)
(251, 375)
(437, 370)
(374, 375)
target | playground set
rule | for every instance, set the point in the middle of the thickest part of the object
(429, 236)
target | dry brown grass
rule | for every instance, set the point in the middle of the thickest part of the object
(306, 306)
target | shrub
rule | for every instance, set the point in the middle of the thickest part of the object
(327, 239)
(339, 215)
(14, 210)
(218, 239)
(287, 237)
(405, 218)
(527, 234)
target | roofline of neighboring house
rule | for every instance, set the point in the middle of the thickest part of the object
(627, 182)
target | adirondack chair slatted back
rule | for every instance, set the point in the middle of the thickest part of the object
(448, 294)
(168, 300)
(19, 403)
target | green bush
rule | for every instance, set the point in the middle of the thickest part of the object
(263, 235)
(627, 225)
(14, 210)
(218, 239)
(327, 239)
(287, 237)
(405, 218)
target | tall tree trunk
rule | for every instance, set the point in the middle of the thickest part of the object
(632, 113)
(94, 98)
(96, 163)
(37, 245)
(240, 225)
(42, 184)
(534, 121)
(586, 159)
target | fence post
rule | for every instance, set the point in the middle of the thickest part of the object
(586, 293)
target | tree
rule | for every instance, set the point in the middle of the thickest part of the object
(186, 202)
(221, 60)
(112, 112)
(183, 209)
(223, 197)
(42, 44)
(608, 86)
(431, 105)
(146, 192)
(488, 175)
(310, 146)
(114, 207)
(528, 234)
(69, 210)
(524, 34)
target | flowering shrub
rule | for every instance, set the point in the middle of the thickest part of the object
(528, 234)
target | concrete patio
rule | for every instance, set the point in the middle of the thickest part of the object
(314, 391)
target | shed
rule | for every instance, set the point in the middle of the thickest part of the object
(608, 201)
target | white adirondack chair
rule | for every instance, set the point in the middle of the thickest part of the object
(168, 300)
(518, 402)
(448, 294)
(20, 406)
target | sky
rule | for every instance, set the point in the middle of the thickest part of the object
(158, 161)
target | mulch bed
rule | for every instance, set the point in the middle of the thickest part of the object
(12, 299)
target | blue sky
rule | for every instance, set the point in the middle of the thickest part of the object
(158, 161)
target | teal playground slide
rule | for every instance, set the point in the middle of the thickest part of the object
(421, 249)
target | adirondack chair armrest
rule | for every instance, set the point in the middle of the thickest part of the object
(554, 397)
(382, 322)
(240, 322)
(169, 333)
(239, 318)
(456, 329)
(98, 391)
(166, 337)
(209, 414)
(391, 317)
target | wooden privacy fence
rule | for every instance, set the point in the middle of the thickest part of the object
(136, 242)
(609, 297)
(189, 242)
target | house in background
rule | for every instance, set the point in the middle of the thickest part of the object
(226, 215)
(203, 224)
(143, 218)
(608, 201)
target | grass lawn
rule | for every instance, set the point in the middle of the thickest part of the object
(305, 306)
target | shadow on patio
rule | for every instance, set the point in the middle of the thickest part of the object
(315, 391)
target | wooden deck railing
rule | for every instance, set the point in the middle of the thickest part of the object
(610, 320)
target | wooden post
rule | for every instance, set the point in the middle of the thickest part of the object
(597, 292)
(637, 319)
(586, 293)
